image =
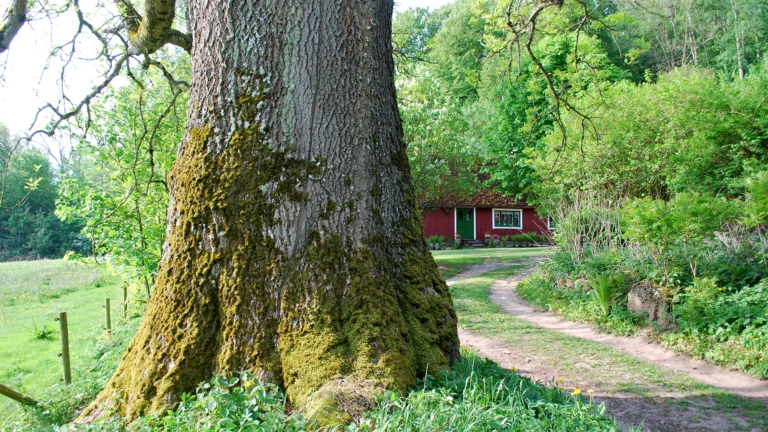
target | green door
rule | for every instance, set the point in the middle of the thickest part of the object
(465, 223)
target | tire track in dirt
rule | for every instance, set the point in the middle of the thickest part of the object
(700, 413)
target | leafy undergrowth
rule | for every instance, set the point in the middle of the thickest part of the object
(475, 395)
(726, 326)
(578, 304)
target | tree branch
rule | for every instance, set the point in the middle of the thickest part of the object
(12, 21)
(149, 33)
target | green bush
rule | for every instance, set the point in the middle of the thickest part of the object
(724, 326)
(45, 332)
(683, 225)
(756, 209)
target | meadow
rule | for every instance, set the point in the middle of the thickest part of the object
(32, 293)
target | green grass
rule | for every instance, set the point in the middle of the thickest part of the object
(453, 262)
(43, 280)
(32, 294)
(612, 371)
(475, 395)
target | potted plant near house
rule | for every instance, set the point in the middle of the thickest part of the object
(439, 242)
(504, 240)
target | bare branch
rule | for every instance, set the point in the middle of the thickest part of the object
(85, 102)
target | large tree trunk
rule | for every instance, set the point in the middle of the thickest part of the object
(294, 246)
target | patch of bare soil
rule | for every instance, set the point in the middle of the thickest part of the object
(667, 412)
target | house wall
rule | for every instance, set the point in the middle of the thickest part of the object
(439, 223)
(531, 223)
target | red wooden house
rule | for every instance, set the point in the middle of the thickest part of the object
(485, 212)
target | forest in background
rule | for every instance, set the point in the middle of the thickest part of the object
(636, 98)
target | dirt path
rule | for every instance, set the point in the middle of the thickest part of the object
(655, 414)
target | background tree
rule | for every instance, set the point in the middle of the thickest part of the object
(28, 226)
(117, 177)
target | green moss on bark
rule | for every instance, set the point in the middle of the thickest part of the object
(372, 310)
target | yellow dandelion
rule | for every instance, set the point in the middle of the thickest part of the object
(559, 380)
(513, 369)
(590, 391)
(576, 392)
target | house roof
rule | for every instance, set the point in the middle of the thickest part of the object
(484, 198)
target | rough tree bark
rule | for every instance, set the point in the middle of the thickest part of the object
(294, 246)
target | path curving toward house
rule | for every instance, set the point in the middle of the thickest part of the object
(503, 293)
(654, 414)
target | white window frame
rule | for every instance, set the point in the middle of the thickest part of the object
(493, 218)
(549, 227)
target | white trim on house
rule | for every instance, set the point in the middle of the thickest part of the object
(455, 226)
(493, 218)
(549, 227)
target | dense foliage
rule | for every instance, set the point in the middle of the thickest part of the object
(619, 103)
(709, 267)
(28, 227)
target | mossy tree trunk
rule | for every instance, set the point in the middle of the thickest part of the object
(294, 246)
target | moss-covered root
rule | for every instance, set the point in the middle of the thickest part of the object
(341, 401)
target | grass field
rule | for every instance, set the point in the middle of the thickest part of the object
(451, 262)
(32, 294)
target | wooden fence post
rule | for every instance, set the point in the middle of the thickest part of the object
(64, 354)
(125, 300)
(107, 316)
(18, 397)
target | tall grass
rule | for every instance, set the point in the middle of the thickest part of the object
(25, 281)
(586, 223)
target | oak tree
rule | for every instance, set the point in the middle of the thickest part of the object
(294, 246)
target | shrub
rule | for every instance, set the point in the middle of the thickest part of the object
(756, 208)
(604, 287)
(45, 332)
